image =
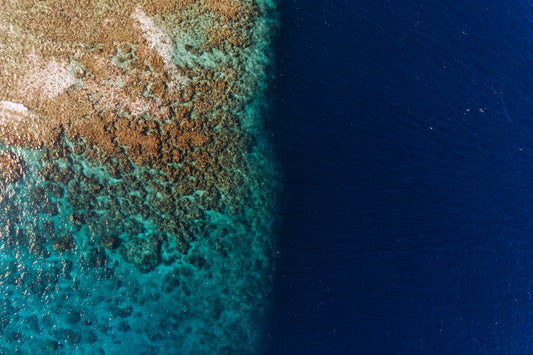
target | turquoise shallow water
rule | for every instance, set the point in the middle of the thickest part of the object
(101, 261)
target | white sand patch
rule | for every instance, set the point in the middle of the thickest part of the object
(6, 106)
(162, 44)
(47, 78)
(14, 117)
(157, 39)
(13, 114)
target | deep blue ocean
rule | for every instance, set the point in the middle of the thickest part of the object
(405, 129)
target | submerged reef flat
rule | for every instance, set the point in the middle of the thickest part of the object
(137, 189)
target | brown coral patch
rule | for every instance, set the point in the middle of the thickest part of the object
(126, 101)
(11, 167)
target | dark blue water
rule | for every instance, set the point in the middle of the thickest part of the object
(406, 134)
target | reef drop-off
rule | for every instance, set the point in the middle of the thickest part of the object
(137, 189)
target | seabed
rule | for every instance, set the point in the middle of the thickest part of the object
(137, 188)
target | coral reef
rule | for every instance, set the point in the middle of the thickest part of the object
(11, 167)
(135, 164)
(144, 253)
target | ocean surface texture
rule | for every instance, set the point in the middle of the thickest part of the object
(406, 132)
(137, 187)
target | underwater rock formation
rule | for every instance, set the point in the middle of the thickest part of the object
(138, 174)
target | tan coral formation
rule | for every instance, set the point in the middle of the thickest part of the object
(104, 73)
(153, 84)
(11, 167)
